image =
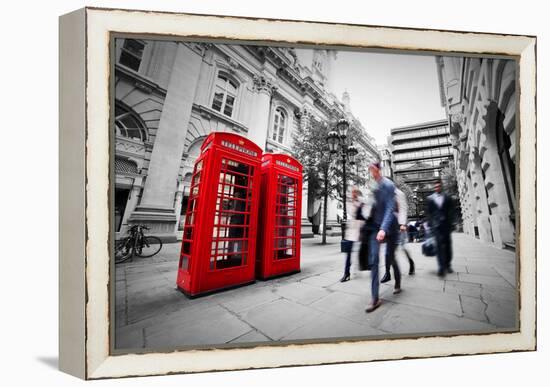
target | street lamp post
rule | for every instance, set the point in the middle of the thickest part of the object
(415, 196)
(338, 141)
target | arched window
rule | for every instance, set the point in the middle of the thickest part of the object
(225, 94)
(279, 125)
(128, 124)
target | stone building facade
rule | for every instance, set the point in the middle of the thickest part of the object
(170, 95)
(479, 95)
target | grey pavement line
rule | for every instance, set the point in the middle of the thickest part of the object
(485, 309)
(295, 329)
(504, 278)
(246, 322)
(244, 334)
(482, 284)
(309, 305)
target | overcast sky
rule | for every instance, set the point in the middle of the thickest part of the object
(388, 90)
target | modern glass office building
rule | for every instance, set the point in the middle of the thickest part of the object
(418, 154)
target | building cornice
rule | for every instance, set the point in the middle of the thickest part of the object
(141, 82)
(208, 113)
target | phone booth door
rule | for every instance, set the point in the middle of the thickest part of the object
(224, 233)
(280, 243)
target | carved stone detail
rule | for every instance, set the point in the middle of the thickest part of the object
(265, 83)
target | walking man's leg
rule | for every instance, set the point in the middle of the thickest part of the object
(391, 246)
(374, 249)
(441, 259)
(402, 243)
(387, 264)
(449, 252)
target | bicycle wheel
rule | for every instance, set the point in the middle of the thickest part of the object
(123, 250)
(150, 245)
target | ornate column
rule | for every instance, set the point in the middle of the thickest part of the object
(156, 209)
(480, 196)
(502, 227)
(264, 85)
(131, 204)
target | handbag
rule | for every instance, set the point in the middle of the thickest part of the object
(346, 246)
(429, 247)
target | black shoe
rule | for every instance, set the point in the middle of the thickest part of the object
(450, 270)
(372, 307)
(411, 268)
(441, 273)
(386, 278)
(345, 278)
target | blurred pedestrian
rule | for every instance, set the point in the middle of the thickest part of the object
(353, 229)
(385, 221)
(440, 211)
(401, 216)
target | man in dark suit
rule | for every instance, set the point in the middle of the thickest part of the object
(386, 230)
(440, 211)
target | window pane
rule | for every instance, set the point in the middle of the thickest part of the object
(130, 61)
(229, 105)
(231, 87)
(217, 102)
(134, 46)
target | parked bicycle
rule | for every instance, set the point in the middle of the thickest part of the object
(136, 244)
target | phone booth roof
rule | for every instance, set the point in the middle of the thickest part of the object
(232, 141)
(282, 161)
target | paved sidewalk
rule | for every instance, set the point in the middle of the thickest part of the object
(479, 296)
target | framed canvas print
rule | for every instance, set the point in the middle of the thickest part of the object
(242, 193)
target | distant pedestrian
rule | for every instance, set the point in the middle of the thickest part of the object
(412, 231)
(353, 229)
(401, 216)
(385, 221)
(440, 211)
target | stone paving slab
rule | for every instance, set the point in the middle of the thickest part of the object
(462, 288)
(406, 319)
(478, 296)
(301, 292)
(214, 325)
(474, 308)
(330, 326)
(279, 318)
(494, 280)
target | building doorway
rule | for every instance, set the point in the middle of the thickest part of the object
(121, 198)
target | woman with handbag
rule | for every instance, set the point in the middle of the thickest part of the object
(353, 230)
(361, 208)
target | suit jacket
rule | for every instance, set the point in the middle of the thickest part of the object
(440, 219)
(384, 206)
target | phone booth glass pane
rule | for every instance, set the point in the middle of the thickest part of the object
(232, 216)
(190, 216)
(285, 218)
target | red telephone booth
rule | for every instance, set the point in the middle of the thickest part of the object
(280, 216)
(219, 234)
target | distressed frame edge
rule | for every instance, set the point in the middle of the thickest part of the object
(103, 365)
(72, 224)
